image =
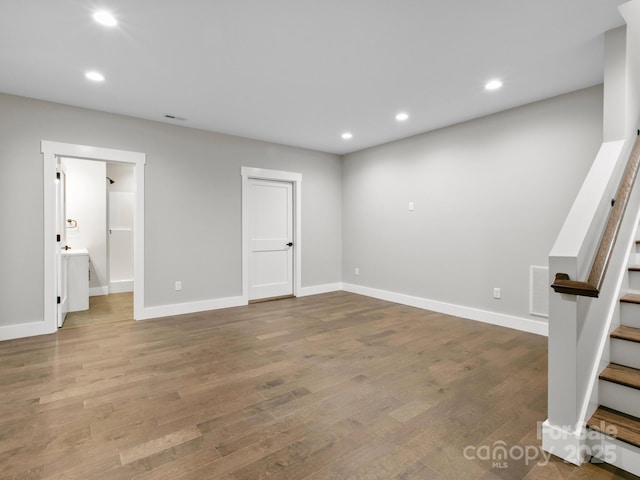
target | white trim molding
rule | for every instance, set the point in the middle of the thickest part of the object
(98, 291)
(564, 442)
(228, 302)
(524, 324)
(282, 176)
(192, 307)
(121, 286)
(22, 330)
(51, 151)
(318, 289)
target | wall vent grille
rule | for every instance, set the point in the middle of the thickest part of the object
(539, 291)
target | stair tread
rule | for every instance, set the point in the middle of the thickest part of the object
(622, 375)
(625, 428)
(634, 268)
(624, 332)
(631, 298)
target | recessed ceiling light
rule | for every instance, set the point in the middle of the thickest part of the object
(347, 135)
(105, 18)
(402, 116)
(493, 84)
(94, 76)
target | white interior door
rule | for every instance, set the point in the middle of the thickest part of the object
(61, 243)
(270, 239)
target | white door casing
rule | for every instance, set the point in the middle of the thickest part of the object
(51, 151)
(270, 238)
(294, 183)
(61, 229)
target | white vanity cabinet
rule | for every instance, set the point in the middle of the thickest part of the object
(77, 279)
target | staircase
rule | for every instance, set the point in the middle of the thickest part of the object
(585, 334)
(615, 426)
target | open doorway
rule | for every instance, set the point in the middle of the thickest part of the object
(98, 216)
(53, 153)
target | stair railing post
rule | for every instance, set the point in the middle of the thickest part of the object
(561, 434)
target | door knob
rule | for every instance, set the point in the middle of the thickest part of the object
(290, 244)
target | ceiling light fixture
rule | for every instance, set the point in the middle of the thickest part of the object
(94, 76)
(105, 18)
(402, 116)
(347, 135)
(493, 84)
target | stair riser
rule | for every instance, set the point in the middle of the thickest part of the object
(619, 397)
(615, 452)
(630, 314)
(634, 281)
(624, 352)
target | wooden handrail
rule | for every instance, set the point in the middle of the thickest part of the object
(591, 287)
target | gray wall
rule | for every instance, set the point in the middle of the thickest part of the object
(490, 197)
(192, 203)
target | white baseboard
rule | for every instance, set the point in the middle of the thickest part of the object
(22, 330)
(191, 307)
(97, 291)
(318, 289)
(121, 286)
(563, 443)
(218, 303)
(524, 324)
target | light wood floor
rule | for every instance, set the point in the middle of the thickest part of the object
(116, 307)
(328, 387)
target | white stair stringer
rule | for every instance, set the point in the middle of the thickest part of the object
(613, 451)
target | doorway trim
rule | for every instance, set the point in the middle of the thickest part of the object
(282, 176)
(52, 150)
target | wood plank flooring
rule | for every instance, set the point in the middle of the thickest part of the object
(329, 387)
(116, 307)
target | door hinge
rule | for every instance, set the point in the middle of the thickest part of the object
(57, 175)
(57, 237)
(58, 300)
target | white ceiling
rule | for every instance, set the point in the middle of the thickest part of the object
(301, 72)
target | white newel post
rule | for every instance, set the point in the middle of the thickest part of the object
(561, 433)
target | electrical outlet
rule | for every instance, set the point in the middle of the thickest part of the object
(178, 286)
(497, 293)
(356, 271)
